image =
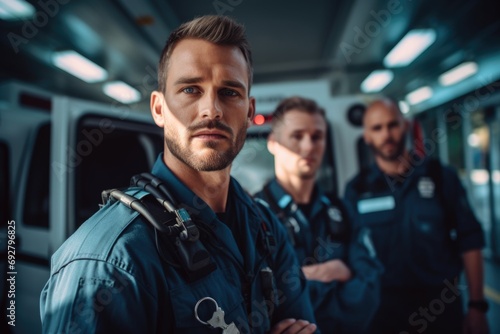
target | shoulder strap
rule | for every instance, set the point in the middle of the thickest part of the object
(268, 242)
(269, 198)
(267, 247)
(176, 235)
(280, 213)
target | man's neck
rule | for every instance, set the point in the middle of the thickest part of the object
(211, 187)
(300, 189)
(398, 166)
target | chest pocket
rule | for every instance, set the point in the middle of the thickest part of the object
(429, 218)
(216, 285)
(377, 212)
(380, 217)
(431, 241)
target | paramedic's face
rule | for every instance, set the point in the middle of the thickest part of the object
(298, 143)
(385, 130)
(205, 110)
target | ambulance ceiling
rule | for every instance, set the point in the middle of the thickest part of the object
(342, 41)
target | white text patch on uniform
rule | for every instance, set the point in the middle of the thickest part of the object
(376, 204)
(426, 187)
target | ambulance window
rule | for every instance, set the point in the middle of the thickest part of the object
(254, 165)
(36, 200)
(113, 158)
(5, 209)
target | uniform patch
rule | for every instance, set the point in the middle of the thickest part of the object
(376, 204)
(426, 187)
(295, 224)
(335, 214)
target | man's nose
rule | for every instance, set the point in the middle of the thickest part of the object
(307, 144)
(386, 133)
(210, 105)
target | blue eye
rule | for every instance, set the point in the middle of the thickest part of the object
(189, 90)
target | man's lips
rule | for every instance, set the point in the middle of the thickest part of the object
(210, 134)
(389, 144)
(309, 160)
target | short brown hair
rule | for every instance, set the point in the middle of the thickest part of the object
(295, 103)
(217, 29)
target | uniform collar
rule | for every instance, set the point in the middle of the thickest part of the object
(285, 200)
(280, 196)
(187, 199)
(184, 196)
(242, 210)
(418, 167)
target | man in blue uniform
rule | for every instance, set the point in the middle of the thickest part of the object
(423, 230)
(339, 262)
(225, 266)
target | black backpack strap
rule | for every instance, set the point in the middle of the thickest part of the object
(267, 248)
(176, 235)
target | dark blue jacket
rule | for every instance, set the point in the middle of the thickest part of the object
(421, 222)
(108, 277)
(339, 307)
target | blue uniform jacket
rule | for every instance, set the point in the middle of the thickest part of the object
(109, 278)
(421, 222)
(339, 307)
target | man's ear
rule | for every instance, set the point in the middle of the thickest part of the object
(271, 142)
(157, 105)
(251, 111)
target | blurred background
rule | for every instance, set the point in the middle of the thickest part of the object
(76, 75)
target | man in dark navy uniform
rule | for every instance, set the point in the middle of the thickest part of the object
(424, 232)
(228, 270)
(339, 262)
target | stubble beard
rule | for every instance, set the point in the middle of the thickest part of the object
(307, 175)
(400, 147)
(213, 161)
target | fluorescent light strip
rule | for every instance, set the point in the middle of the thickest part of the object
(376, 81)
(419, 95)
(79, 66)
(11, 10)
(458, 73)
(410, 47)
(121, 92)
(404, 107)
